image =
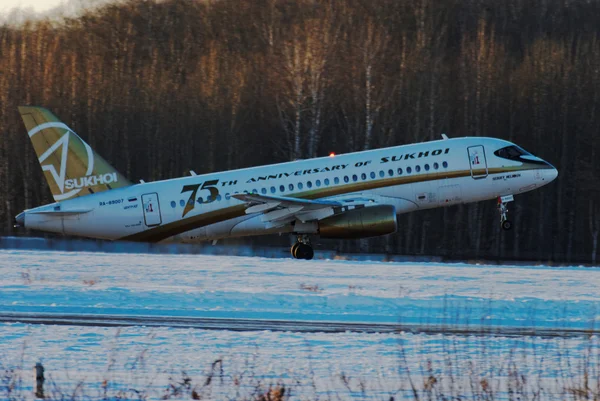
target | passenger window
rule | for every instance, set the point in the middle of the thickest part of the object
(273, 190)
(346, 179)
(373, 175)
(227, 196)
(219, 198)
(427, 167)
(336, 180)
(254, 191)
(318, 183)
(445, 164)
(281, 188)
(182, 203)
(399, 170)
(291, 187)
(263, 191)
(209, 198)
(309, 184)
(436, 166)
(300, 185)
(391, 172)
(354, 177)
(408, 170)
(200, 200)
(381, 173)
(326, 181)
(173, 204)
(417, 168)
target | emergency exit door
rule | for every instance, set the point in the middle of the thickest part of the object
(151, 209)
(477, 161)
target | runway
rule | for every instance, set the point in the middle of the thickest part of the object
(97, 320)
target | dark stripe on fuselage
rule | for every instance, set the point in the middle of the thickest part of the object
(163, 232)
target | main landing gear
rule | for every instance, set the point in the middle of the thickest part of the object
(505, 223)
(302, 248)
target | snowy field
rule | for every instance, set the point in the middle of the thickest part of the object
(152, 361)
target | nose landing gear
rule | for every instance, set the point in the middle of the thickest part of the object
(302, 249)
(505, 223)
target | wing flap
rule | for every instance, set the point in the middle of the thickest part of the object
(284, 200)
(280, 213)
(279, 210)
(262, 207)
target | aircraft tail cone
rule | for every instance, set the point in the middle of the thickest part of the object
(20, 220)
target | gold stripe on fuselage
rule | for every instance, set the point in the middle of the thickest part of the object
(163, 232)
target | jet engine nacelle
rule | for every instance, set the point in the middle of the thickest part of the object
(360, 223)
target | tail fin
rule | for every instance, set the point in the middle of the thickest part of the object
(71, 167)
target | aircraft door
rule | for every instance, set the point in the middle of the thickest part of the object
(477, 161)
(151, 209)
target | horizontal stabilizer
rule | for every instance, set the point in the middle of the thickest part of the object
(61, 212)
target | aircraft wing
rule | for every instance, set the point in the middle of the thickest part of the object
(280, 210)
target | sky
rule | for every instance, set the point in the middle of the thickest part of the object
(37, 5)
(17, 11)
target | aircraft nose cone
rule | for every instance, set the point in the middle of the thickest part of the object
(551, 173)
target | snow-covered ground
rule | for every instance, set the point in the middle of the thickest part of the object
(313, 364)
(249, 287)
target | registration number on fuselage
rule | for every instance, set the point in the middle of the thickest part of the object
(111, 202)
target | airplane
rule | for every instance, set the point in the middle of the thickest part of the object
(346, 196)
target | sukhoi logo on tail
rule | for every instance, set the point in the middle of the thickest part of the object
(72, 185)
(90, 181)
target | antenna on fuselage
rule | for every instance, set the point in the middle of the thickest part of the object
(444, 137)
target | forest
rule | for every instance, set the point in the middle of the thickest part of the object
(159, 88)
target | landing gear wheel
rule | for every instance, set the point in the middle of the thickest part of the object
(304, 251)
(294, 249)
(302, 248)
(505, 223)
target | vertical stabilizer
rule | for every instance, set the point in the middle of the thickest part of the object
(70, 166)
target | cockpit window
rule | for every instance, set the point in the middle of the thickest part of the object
(512, 152)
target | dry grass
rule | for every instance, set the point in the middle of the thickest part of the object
(517, 376)
(310, 287)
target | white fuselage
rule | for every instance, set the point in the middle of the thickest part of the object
(201, 207)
